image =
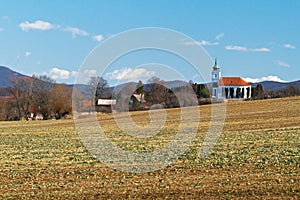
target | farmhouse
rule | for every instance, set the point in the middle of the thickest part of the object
(137, 97)
(228, 87)
(106, 102)
(105, 105)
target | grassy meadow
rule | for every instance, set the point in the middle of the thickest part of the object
(257, 156)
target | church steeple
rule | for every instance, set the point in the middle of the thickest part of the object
(216, 75)
(216, 67)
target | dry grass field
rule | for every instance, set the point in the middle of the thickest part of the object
(257, 156)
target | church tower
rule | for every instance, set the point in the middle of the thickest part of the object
(216, 75)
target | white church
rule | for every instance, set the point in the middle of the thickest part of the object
(228, 87)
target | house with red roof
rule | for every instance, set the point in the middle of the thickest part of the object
(228, 87)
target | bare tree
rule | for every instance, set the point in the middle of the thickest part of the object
(41, 95)
(22, 93)
(96, 88)
(158, 92)
(61, 100)
(291, 90)
(258, 92)
(8, 109)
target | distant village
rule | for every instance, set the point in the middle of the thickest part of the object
(40, 98)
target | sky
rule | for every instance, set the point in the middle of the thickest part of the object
(257, 40)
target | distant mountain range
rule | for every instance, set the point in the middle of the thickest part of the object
(6, 74)
(276, 86)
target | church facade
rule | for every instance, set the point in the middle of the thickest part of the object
(228, 87)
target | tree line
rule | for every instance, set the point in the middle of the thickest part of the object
(39, 97)
(155, 92)
(258, 92)
(152, 93)
(36, 97)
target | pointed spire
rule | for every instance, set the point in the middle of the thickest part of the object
(216, 67)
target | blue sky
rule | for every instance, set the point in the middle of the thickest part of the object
(257, 39)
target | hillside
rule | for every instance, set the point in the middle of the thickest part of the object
(276, 86)
(6, 75)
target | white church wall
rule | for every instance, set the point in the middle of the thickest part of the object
(219, 91)
(222, 91)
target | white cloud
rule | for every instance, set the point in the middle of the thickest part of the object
(1, 29)
(60, 74)
(219, 36)
(84, 75)
(203, 43)
(266, 78)
(236, 48)
(264, 49)
(56, 73)
(98, 38)
(39, 25)
(282, 63)
(76, 31)
(208, 43)
(129, 74)
(90, 72)
(74, 73)
(241, 48)
(27, 53)
(289, 46)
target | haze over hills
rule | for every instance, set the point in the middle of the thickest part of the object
(6, 74)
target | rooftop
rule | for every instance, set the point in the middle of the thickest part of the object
(233, 81)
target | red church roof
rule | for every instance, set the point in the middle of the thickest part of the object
(233, 81)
